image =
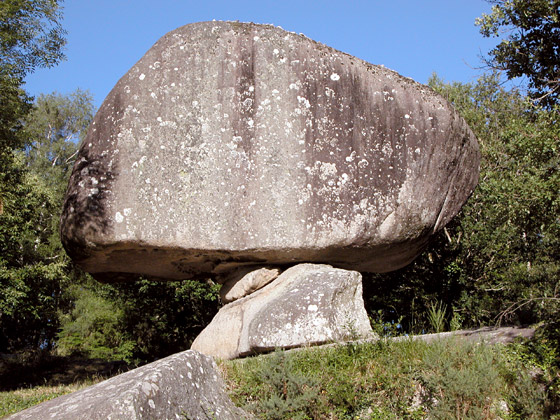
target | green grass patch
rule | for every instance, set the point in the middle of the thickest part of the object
(446, 379)
(27, 379)
(13, 401)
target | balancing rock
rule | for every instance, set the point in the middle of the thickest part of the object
(231, 144)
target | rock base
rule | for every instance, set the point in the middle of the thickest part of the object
(308, 304)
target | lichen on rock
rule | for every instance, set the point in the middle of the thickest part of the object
(234, 144)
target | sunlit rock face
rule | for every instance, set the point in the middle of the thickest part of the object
(233, 144)
(308, 304)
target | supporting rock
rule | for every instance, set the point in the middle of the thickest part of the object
(306, 305)
(186, 385)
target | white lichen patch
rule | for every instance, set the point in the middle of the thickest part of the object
(350, 157)
(303, 101)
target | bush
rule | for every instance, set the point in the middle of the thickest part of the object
(137, 321)
(93, 329)
(405, 379)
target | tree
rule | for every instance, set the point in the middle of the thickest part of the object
(136, 321)
(33, 268)
(499, 259)
(31, 37)
(30, 274)
(35, 272)
(531, 47)
(53, 129)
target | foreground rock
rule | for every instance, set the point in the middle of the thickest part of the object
(183, 386)
(306, 305)
(232, 144)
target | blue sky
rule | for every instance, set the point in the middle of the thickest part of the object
(413, 37)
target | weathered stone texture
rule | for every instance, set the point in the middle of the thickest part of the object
(232, 143)
(246, 281)
(183, 386)
(307, 304)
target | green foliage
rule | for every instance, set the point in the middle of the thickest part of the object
(542, 354)
(405, 379)
(30, 37)
(34, 270)
(437, 313)
(509, 231)
(30, 34)
(461, 381)
(137, 321)
(54, 127)
(164, 318)
(94, 328)
(385, 328)
(33, 266)
(531, 46)
(498, 260)
(456, 322)
(289, 393)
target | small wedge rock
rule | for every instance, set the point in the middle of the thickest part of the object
(246, 282)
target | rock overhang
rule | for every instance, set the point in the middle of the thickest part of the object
(234, 144)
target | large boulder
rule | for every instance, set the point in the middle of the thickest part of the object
(308, 304)
(183, 386)
(232, 144)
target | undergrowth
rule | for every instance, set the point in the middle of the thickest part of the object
(407, 379)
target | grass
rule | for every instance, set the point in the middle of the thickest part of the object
(446, 379)
(386, 380)
(13, 401)
(29, 379)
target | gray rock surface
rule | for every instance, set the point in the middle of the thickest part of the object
(186, 385)
(307, 304)
(232, 144)
(247, 281)
(489, 335)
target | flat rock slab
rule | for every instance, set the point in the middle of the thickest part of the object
(308, 304)
(490, 335)
(232, 143)
(186, 385)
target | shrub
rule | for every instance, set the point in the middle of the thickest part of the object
(405, 379)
